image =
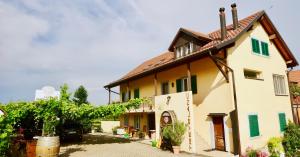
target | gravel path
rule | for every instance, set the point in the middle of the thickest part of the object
(98, 145)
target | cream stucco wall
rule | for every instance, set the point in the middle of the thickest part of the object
(179, 103)
(258, 96)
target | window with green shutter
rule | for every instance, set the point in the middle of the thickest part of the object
(253, 125)
(194, 84)
(179, 85)
(265, 48)
(255, 46)
(282, 121)
(137, 93)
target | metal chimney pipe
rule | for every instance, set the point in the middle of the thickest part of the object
(234, 16)
(222, 23)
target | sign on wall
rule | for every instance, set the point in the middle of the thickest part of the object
(167, 117)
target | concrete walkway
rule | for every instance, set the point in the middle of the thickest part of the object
(103, 145)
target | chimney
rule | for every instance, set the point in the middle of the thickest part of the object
(223, 23)
(234, 16)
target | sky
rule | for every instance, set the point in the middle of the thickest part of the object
(94, 42)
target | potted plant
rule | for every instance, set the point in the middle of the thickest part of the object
(175, 134)
(47, 111)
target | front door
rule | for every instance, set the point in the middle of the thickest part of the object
(219, 133)
(151, 121)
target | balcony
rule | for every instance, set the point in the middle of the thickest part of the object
(145, 107)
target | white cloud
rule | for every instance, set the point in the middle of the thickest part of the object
(95, 42)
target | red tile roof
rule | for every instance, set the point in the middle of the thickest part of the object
(294, 76)
(214, 41)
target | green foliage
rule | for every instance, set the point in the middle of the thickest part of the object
(80, 96)
(154, 143)
(295, 90)
(175, 133)
(291, 140)
(64, 94)
(5, 131)
(275, 147)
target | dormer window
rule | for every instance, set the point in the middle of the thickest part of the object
(184, 49)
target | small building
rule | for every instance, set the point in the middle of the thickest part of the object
(229, 86)
(46, 92)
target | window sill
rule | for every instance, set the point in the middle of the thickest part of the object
(281, 95)
(255, 79)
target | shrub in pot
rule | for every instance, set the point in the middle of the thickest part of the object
(291, 140)
(175, 134)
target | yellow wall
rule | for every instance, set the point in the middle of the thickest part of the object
(255, 96)
(143, 120)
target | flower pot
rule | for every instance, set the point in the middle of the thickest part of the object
(176, 149)
(30, 148)
(47, 146)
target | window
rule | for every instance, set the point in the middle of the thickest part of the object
(126, 120)
(137, 93)
(265, 48)
(282, 121)
(165, 88)
(255, 46)
(182, 84)
(260, 47)
(251, 74)
(184, 49)
(253, 125)
(279, 84)
(137, 120)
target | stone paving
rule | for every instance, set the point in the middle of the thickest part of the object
(100, 145)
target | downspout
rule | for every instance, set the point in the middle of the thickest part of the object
(291, 96)
(234, 97)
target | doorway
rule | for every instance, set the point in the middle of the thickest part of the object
(151, 121)
(219, 133)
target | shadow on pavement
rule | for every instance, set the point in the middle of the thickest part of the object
(69, 151)
(97, 139)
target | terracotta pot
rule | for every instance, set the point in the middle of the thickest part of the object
(176, 149)
(30, 148)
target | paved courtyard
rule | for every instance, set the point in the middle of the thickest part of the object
(99, 145)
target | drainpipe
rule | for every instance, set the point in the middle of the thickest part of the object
(291, 96)
(234, 97)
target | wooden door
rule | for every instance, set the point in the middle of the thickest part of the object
(219, 133)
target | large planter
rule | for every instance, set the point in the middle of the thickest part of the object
(31, 148)
(47, 146)
(176, 149)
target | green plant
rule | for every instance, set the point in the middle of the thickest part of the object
(275, 147)
(295, 90)
(80, 96)
(175, 133)
(154, 143)
(5, 131)
(291, 140)
(141, 134)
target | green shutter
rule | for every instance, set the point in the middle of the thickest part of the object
(137, 93)
(282, 121)
(194, 84)
(178, 85)
(253, 124)
(255, 46)
(265, 48)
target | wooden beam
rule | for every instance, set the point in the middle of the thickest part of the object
(155, 84)
(127, 91)
(216, 61)
(189, 76)
(109, 96)
(273, 36)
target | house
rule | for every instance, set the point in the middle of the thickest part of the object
(46, 92)
(294, 78)
(229, 86)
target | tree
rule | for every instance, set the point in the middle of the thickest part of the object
(80, 96)
(64, 95)
(295, 90)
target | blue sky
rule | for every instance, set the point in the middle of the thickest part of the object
(91, 43)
